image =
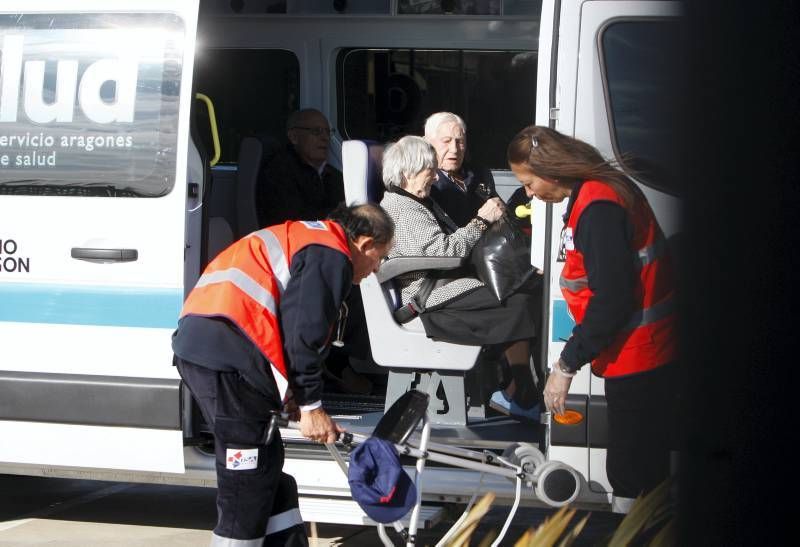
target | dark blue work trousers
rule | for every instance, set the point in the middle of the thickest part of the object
(642, 429)
(256, 502)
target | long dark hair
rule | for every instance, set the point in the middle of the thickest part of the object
(554, 156)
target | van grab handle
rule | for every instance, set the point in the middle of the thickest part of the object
(103, 256)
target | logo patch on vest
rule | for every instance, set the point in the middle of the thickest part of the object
(314, 224)
(241, 460)
(569, 244)
(566, 244)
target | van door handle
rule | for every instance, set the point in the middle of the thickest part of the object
(102, 256)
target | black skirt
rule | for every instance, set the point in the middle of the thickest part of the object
(477, 318)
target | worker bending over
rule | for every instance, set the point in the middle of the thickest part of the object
(252, 336)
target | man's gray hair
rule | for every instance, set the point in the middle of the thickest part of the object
(435, 120)
(407, 157)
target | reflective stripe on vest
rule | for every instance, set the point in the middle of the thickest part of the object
(647, 340)
(574, 285)
(653, 314)
(277, 258)
(652, 252)
(643, 257)
(245, 282)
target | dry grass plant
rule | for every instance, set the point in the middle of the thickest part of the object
(650, 522)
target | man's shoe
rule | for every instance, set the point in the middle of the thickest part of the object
(504, 405)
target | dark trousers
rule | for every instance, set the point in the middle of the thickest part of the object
(255, 499)
(641, 429)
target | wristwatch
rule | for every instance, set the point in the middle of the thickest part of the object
(564, 369)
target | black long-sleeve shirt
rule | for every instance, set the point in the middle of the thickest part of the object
(321, 279)
(603, 235)
(290, 189)
(462, 205)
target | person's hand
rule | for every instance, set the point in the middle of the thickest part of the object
(555, 392)
(500, 203)
(318, 426)
(492, 209)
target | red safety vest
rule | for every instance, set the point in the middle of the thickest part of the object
(244, 283)
(648, 339)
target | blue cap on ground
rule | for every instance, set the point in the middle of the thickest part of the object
(378, 483)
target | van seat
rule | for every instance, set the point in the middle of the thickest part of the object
(250, 158)
(220, 236)
(395, 345)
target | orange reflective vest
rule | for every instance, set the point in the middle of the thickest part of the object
(648, 339)
(244, 283)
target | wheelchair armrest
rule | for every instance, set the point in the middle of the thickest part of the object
(404, 264)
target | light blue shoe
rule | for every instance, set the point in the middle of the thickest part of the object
(504, 405)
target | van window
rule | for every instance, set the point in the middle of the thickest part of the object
(387, 93)
(471, 7)
(89, 104)
(253, 91)
(304, 7)
(643, 79)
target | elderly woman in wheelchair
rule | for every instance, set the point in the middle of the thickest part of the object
(453, 305)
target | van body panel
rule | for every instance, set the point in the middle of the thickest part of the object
(84, 332)
(128, 402)
(583, 112)
(127, 448)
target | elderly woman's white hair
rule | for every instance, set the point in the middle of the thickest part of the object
(407, 157)
(435, 120)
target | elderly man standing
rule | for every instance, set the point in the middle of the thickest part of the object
(459, 190)
(299, 184)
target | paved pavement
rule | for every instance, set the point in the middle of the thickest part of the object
(38, 511)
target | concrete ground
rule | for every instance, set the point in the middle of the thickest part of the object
(38, 511)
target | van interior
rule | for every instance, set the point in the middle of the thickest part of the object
(376, 70)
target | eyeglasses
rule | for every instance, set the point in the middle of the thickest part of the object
(317, 131)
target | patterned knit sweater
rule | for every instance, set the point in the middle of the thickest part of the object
(418, 233)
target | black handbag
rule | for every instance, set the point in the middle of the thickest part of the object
(502, 259)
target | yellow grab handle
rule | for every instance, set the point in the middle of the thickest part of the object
(212, 119)
(523, 211)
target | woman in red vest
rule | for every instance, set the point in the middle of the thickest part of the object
(618, 285)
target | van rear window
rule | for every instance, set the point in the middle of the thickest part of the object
(643, 69)
(89, 104)
(387, 93)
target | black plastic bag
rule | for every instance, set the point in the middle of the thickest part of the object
(502, 259)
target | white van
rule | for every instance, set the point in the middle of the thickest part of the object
(117, 185)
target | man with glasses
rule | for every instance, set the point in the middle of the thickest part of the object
(299, 184)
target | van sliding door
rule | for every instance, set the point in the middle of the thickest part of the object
(620, 82)
(94, 125)
(634, 78)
